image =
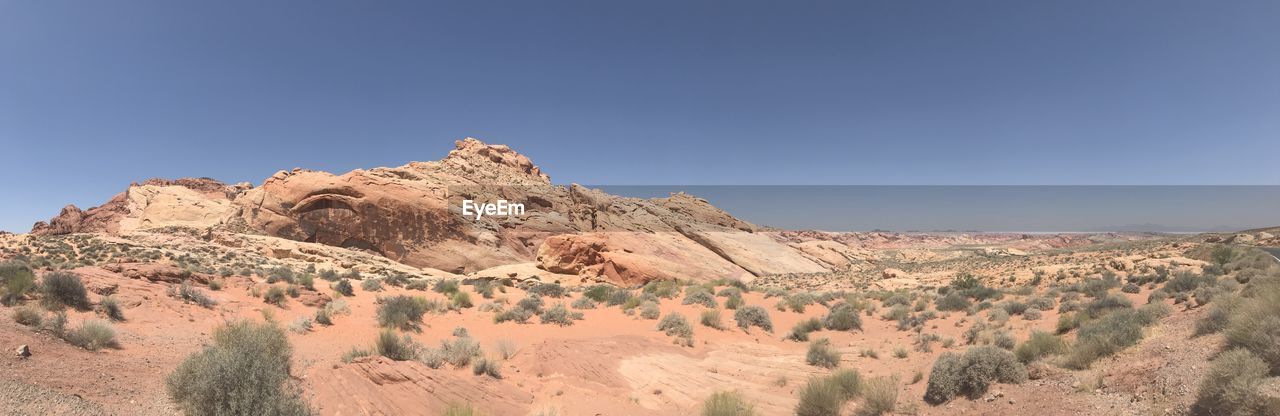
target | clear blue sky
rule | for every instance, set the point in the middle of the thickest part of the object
(97, 94)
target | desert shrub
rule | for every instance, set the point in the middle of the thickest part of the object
(460, 352)
(1102, 305)
(662, 288)
(418, 284)
(1186, 282)
(998, 316)
(796, 302)
(344, 287)
(1039, 345)
(506, 348)
(821, 354)
(711, 318)
(63, 289)
(700, 297)
(190, 294)
(487, 366)
(559, 315)
(110, 307)
(843, 317)
(16, 279)
(734, 302)
(1044, 303)
(899, 352)
(371, 285)
(727, 403)
(551, 290)
(599, 292)
(445, 286)
(306, 280)
(1130, 288)
(215, 285)
(460, 300)
(824, 396)
(92, 335)
(1032, 315)
(800, 332)
(28, 316)
(619, 297)
(301, 325)
(1255, 326)
(730, 291)
(1219, 315)
(1013, 307)
(896, 313)
(952, 301)
(532, 303)
(748, 316)
(459, 409)
(971, 374)
(245, 371)
(675, 325)
(280, 274)
(401, 311)
(583, 303)
(649, 310)
(275, 295)
(518, 315)
(1231, 386)
(389, 345)
(324, 316)
(56, 323)
(880, 396)
(1111, 333)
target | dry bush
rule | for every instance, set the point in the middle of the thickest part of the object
(245, 371)
(972, 373)
(821, 354)
(749, 316)
(727, 403)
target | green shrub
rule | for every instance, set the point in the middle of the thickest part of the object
(649, 310)
(711, 318)
(306, 280)
(952, 301)
(1039, 345)
(1111, 333)
(734, 302)
(843, 317)
(396, 348)
(275, 295)
(519, 315)
(800, 332)
(460, 352)
(280, 274)
(551, 290)
(599, 293)
(1231, 386)
(749, 316)
(16, 279)
(460, 300)
(662, 288)
(1255, 326)
(881, 396)
(28, 316)
(1102, 305)
(1219, 315)
(619, 297)
(92, 335)
(445, 286)
(675, 325)
(821, 354)
(371, 285)
(401, 311)
(532, 303)
(727, 403)
(583, 303)
(700, 297)
(820, 397)
(344, 288)
(110, 307)
(486, 366)
(64, 289)
(324, 317)
(245, 371)
(1043, 303)
(215, 285)
(190, 294)
(972, 373)
(559, 315)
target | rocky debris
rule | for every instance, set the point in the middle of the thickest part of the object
(23, 351)
(632, 258)
(157, 272)
(313, 299)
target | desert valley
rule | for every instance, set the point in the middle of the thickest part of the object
(370, 293)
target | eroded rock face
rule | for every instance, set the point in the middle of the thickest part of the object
(411, 214)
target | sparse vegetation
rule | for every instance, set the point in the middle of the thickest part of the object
(727, 403)
(821, 354)
(972, 373)
(711, 318)
(110, 307)
(64, 289)
(1039, 345)
(749, 316)
(400, 311)
(16, 279)
(245, 371)
(675, 325)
